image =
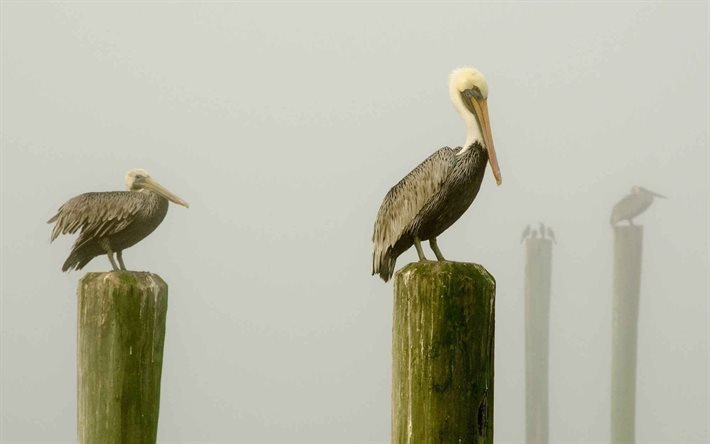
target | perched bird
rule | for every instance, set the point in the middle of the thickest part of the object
(526, 233)
(534, 235)
(632, 205)
(551, 234)
(437, 192)
(109, 222)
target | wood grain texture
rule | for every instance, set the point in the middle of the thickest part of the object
(121, 330)
(628, 246)
(443, 349)
(538, 272)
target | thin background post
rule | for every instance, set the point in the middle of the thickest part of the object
(538, 272)
(628, 246)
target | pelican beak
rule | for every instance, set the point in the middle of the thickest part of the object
(653, 193)
(153, 185)
(480, 108)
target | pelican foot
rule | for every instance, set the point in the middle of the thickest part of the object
(119, 256)
(420, 251)
(434, 246)
(113, 262)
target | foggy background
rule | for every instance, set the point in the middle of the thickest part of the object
(284, 126)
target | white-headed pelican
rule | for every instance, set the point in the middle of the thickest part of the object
(109, 222)
(438, 191)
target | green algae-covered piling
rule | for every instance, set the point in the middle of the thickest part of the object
(628, 242)
(442, 350)
(121, 323)
(538, 270)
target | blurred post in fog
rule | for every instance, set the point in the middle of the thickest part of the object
(538, 271)
(628, 241)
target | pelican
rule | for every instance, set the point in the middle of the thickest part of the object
(109, 222)
(436, 193)
(632, 205)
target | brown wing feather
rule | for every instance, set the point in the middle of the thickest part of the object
(404, 201)
(97, 214)
(629, 207)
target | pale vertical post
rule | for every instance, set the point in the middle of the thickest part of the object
(538, 272)
(628, 246)
(121, 331)
(443, 354)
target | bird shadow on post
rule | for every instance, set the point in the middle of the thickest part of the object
(121, 331)
(538, 271)
(628, 246)
(442, 348)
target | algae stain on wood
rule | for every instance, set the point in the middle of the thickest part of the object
(121, 331)
(443, 354)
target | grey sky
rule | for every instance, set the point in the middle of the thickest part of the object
(284, 126)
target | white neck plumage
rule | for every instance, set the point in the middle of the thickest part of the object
(473, 129)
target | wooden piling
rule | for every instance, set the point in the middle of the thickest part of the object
(538, 270)
(442, 349)
(628, 243)
(121, 329)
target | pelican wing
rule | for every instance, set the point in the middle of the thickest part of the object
(629, 207)
(97, 215)
(406, 199)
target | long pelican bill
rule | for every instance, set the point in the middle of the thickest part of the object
(656, 194)
(480, 108)
(153, 185)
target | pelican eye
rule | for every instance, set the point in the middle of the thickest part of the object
(473, 93)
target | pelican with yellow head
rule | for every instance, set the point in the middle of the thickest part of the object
(428, 200)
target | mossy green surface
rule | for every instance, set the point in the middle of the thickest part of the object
(121, 324)
(443, 354)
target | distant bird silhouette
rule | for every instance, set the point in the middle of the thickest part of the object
(632, 205)
(526, 233)
(551, 234)
(544, 232)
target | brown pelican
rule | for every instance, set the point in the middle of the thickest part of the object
(438, 191)
(112, 221)
(632, 205)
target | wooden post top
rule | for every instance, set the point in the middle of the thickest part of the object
(141, 279)
(439, 269)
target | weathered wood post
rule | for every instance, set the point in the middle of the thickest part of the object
(121, 329)
(538, 270)
(442, 348)
(628, 241)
